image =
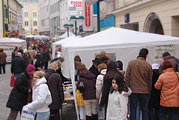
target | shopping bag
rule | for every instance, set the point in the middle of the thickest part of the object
(12, 82)
(79, 99)
(27, 114)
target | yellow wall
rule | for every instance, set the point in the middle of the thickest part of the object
(1, 22)
(30, 18)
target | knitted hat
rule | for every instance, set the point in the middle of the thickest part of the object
(30, 68)
(166, 64)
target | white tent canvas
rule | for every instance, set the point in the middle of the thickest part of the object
(8, 44)
(60, 42)
(122, 44)
(65, 35)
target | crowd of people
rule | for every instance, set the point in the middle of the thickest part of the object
(152, 90)
(143, 91)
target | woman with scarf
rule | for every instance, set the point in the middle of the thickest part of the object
(19, 94)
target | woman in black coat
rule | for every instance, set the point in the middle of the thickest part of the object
(19, 94)
(54, 82)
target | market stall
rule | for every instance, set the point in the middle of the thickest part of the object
(121, 44)
(9, 44)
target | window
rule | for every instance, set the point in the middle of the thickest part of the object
(35, 23)
(26, 5)
(34, 14)
(26, 23)
(25, 14)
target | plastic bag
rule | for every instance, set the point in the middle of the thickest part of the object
(27, 114)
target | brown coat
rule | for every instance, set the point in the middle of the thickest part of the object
(168, 83)
(138, 76)
(3, 58)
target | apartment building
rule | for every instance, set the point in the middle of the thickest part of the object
(44, 17)
(1, 20)
(15, 10)
(30, 16)
(154, 16)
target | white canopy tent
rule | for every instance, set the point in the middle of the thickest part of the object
(120, 43)
(60, 42)
(65, 35)
(8, 44)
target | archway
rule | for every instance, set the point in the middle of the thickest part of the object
(153, 24)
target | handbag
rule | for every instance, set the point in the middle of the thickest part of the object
(81, 87)
(27, 114)
(12, 82)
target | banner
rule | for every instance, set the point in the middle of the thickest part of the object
(75, 7)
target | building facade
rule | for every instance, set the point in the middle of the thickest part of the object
(5, 17)
(154, 16)
(15, 10)
(1, 20)
(44, 19)
(30, 16)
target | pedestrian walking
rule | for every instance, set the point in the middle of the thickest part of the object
(168, 83)
(41, 97)
(2, 61)
(18, 65)
(118, 99)
(19, 94)
(138, 77)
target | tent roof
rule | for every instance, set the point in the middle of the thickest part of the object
(117, 37)
(66, 40)
(65, 35)
(11, 40)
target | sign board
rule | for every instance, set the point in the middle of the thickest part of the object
(159, 50)
(75, 7)
(88, 17)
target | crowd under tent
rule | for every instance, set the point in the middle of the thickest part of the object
(119, 44)
(9, 44)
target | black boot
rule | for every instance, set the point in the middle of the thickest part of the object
(89, 117)
(95, 117)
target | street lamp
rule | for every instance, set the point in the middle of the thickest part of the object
(76, 18)
(68, 26)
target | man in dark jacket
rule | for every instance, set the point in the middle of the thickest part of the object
(94, 68)
(54, 82)
(18, 65)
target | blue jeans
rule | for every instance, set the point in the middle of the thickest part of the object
(43, 115)
(168, 113)
(16, 75)
(142, 99)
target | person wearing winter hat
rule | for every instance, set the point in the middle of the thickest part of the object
(19, 94)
